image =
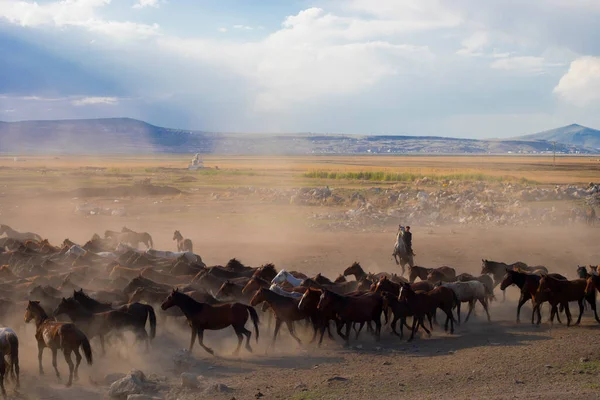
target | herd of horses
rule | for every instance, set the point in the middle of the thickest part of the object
(74, 293)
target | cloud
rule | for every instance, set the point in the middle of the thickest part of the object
(474, 44)
(72, 13)
(146, 3)
(525, 64)
(222, 30)
(248, 28)
(86, 101)
(581, 84)
(314, 55)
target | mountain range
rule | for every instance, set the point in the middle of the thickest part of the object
(130, 136)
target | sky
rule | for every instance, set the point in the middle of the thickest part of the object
(462, 68)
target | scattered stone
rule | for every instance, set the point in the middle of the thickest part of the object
(189, 381)
(183, 360)
(112, 378)
(548, 366)
(337, 379)
(584, 360)
(132, 383)
(258, 395)
(142, 397)
(301, 386)
(387, 363)
(218, 388)
(519, 382)
(451, 352)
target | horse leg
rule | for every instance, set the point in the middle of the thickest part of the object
(240, 337)
(40, 353)
(77, 362)
(393, 325)
(15, 368)
(54, 351)
(291, 329)
(592, 301)
(201, 342)
(522, 300)
(471, 306)
(347, 343)
(360, 329)
(194, 331)
(377, 328)
(414, 328)
(484, 303)
(422, 324)
(568, 312)
(580, 302)
(248, 335)
(276, 331)
(67, 354)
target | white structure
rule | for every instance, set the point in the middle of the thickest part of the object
(196, 162)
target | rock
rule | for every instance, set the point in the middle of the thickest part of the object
(337, 379)
(301, 387)
(451, 352)
(218, 388)
(387, 363)
(584, 360)
(189, 381)
(519, 382)
(142, 397)
(132, 383)
(548, 366)
(258, 395)
(183, 360)
(112, 378)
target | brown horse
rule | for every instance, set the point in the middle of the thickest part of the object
(202, 316)
(285, 309)
(528, 284)
(183, 244)
(309, 305)
(563, 291)
(401, 311)
(9, 347)
(101, 324)
(351, 309)
(266, 272)
(498, 270)
(422, 304)
(58, 336)
(386, 285)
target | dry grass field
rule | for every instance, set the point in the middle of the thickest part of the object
(495, 360)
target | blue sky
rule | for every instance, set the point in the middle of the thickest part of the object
(466, 68)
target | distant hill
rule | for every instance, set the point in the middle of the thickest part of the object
(574, 134)
(130, 136)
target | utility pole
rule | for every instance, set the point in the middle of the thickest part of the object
(554, 152)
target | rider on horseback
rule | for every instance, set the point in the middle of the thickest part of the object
(408, 240)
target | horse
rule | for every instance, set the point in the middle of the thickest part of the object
(266, 272)
(140, 312)
(351, 309)
(11, 233)
(202, 316)
(284, 276)
(359, 274)
(309, 305)
(138, 237)
(182, 244)
(285, 309)
(401, 254)
(58, 336)
(387, 285)
(498, 270)
(400, 310)
(528, 284)
(469, 292)
(422, 304)
(564, 291)
(9, 347)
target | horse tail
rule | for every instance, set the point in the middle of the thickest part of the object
(255, 320)
(152, 316)
(87, 349)
(150, 241)
(13, 341)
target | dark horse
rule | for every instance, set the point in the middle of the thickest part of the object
(101, 324)
(564, 291)
(498, 270)
(528, 284)
(58, 336)
(141, 312)
(202, 316)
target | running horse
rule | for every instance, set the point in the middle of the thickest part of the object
(401, 254)
(9, 347)
(11, 233)
(58, 336)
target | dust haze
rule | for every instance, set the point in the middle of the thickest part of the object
(236, 212)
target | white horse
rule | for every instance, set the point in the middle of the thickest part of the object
(285, 293)
(469, 292)
(172, 255)
(284, 276)
(9, 348)
(11, 233)
(401, 254)
(76, 250)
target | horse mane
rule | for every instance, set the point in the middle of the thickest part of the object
(234, 263)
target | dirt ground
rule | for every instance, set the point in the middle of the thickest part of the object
(497, 360)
